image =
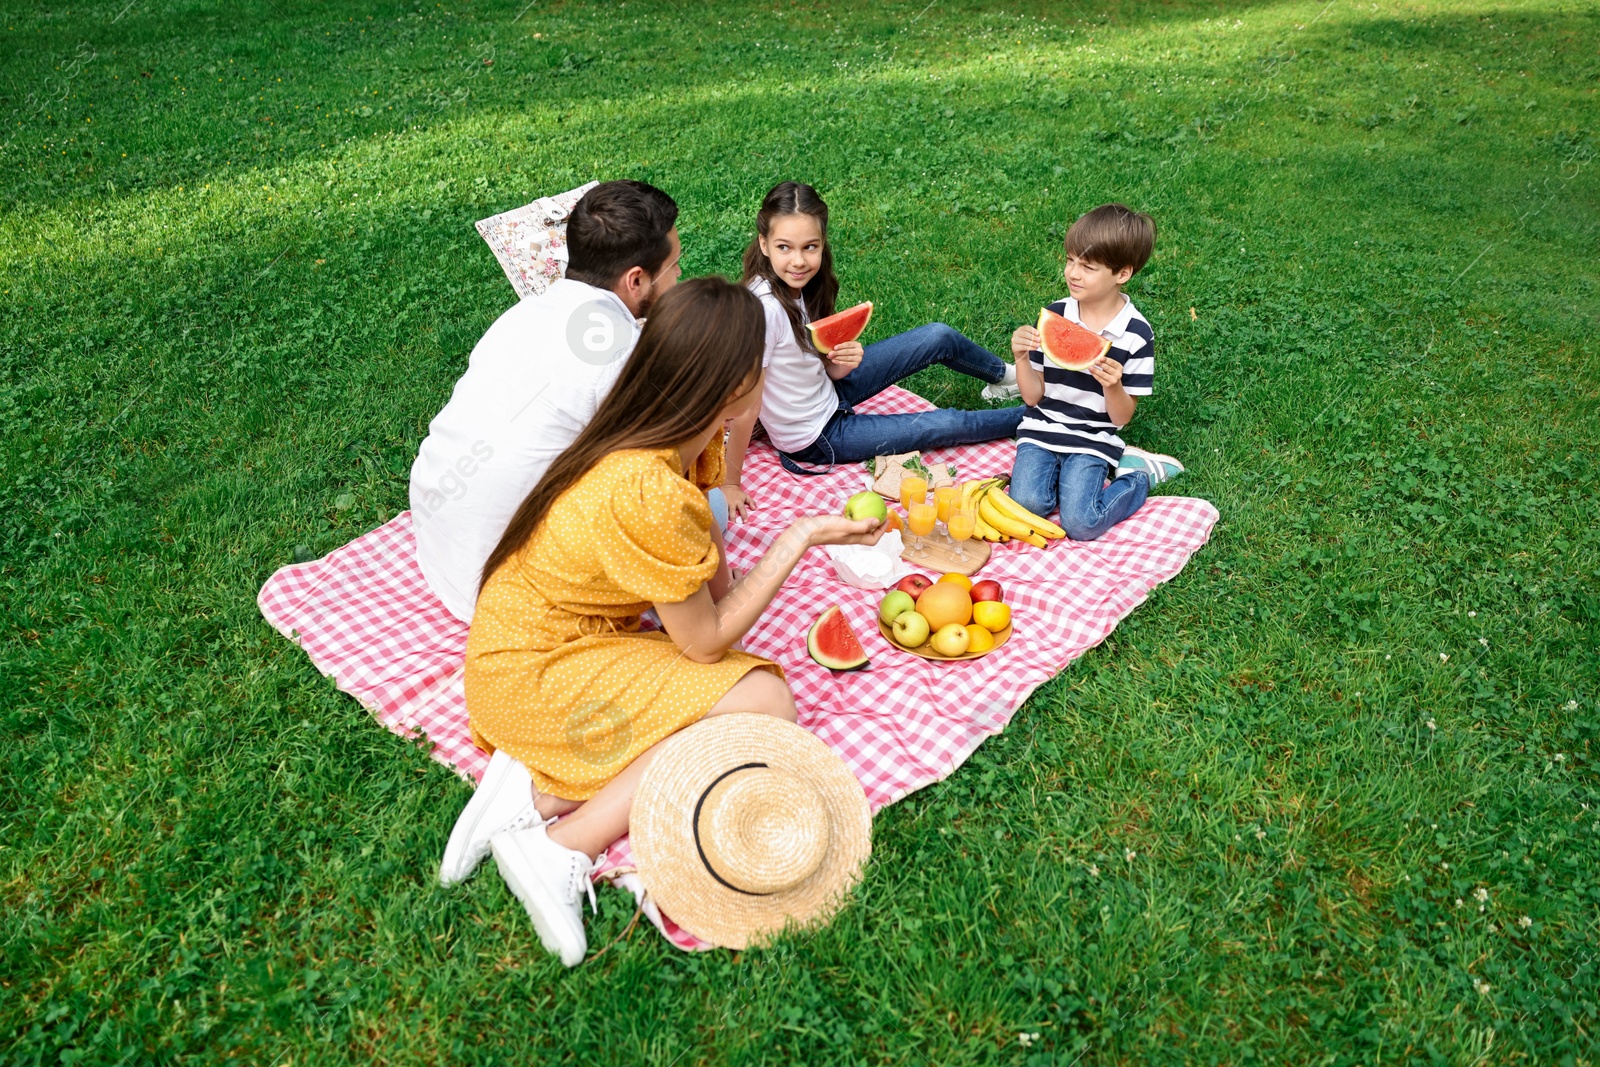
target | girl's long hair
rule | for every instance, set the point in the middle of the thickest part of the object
(794, 198)
(702, 343)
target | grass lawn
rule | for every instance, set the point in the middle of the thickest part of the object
(1331, 796)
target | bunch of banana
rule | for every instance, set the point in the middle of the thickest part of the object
(999, 518)
(971, 492)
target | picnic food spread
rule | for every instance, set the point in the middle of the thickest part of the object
(1068, 345)
(840, 328)
(952, 618)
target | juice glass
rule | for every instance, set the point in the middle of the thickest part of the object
(960, 526)
(919, 520)
(944, 496)
(913, 490)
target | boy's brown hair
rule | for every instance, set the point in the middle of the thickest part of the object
(1114, 235)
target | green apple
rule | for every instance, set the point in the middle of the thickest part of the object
(895, 605)
(910, 629)
(952, 640)
(866, 505)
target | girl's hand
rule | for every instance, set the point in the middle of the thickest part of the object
(847, 355)
(838, 530)
(1106, 371)
(1025, 340)
(739, 503)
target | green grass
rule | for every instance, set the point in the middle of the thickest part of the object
(240, 276)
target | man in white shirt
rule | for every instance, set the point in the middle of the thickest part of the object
(535, 380)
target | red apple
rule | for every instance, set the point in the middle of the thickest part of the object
(913, 584)
(985, 590)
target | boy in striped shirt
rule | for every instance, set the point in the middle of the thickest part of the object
(1067, 444)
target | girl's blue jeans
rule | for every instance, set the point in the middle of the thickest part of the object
(852, 438)
(1042, 481)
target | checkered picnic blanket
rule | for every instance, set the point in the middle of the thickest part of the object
(365, 616)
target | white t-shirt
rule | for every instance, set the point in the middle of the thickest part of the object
(533, 383)
(798, 398)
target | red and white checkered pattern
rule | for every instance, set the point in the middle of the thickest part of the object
(365, 616)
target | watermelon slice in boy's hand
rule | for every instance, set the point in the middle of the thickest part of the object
(840, 328)
(1068, 345)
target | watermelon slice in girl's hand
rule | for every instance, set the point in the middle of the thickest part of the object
(1068, 345)
(840, 328)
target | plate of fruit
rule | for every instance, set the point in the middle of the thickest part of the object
(953, 618)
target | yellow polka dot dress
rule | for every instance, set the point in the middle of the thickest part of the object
(557, 673)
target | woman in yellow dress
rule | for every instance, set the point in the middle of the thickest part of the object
(561, 683)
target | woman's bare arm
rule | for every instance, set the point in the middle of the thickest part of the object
(704, 627)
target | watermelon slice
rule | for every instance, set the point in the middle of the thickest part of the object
(833, 644)
(1068, 345)
(841, 327)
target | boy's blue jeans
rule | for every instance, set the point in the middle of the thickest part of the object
(851, 438)
(1041, 480)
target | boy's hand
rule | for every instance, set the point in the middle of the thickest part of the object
(1106, 371)
(1025, 340)
(847, 355)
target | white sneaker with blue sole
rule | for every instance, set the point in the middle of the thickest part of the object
(1157, 468)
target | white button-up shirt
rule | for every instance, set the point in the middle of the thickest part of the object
(533, 383)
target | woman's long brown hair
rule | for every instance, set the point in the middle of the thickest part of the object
(819, 294)
(701, 345)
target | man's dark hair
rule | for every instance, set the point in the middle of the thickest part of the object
(617, 226)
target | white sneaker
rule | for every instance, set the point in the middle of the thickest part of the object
(503, 801)
(550, 880)
(1006, 388)
(1157, 467)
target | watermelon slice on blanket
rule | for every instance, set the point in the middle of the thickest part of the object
(833, 644)
(1068, 345)
(840, 328)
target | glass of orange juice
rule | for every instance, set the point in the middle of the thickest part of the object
(960, 526)
(913, 490)
(944, 496)
(920, 519)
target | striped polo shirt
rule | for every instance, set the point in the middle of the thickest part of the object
(1071, 416)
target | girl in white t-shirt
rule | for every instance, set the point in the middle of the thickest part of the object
(808, 400)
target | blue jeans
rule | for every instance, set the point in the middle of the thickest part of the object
(1041, 480)
(851, 438)
(719, 508)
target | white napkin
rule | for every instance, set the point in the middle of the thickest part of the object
(876, 566)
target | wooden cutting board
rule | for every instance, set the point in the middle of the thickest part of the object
(941, 557)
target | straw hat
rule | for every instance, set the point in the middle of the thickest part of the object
(743, 823)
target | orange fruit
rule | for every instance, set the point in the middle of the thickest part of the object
(991, 615)
(894, 520)
(943, 603)
(957, 579)
(979, 639)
